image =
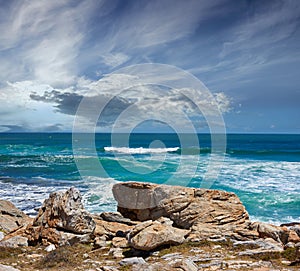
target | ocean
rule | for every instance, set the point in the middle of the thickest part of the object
(262, 169)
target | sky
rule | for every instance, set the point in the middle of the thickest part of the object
(55, 54)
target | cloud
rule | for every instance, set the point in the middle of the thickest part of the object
(46, 36)
(114, 60)
(107, 103)
(24, 128)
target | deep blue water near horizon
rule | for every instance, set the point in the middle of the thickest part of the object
(262, 169)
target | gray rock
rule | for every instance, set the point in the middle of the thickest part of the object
(132, 261)
(1, 235)
(186, 265)
(7, 268)
(172, 256)
(153, 234)
(15, 241)
(65, 211)
(116, 217)
(267, 245)
(68, 238)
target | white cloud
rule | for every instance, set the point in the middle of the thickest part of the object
(114, 60)
(45, 37)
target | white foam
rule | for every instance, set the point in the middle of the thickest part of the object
(140, 150)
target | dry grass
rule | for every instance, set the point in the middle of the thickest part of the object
(75, 257)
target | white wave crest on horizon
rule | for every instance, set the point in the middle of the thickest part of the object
(139, 150)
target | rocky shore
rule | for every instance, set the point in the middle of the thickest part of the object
(157, 227)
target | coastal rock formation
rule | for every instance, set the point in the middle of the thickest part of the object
(62, 219)
(65, 211)
(213, 227)
(185, 206)
(11, 218)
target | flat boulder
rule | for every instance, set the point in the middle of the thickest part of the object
(184, 206)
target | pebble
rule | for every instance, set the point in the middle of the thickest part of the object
(51, 247)
(132, 261)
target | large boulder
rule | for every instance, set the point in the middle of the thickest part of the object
(153, 234)
(62, 220)
(185, 206)
(65, 211)
(11, 218)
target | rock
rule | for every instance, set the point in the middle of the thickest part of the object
(11, 218)
(120, 242)
(153, 234)
(116, 252)
(184, 206)
(265, 246)
(62, 220)
(100, 242)
(15, 241)
(65, 211)
(132, 261)
(116, 217)
(7, 268)
(186, 265)
(111, 229)
(50, 248)
(296, 229)
(293, 237)
(279, 234)
(1, 235)
(70, 239)
(172, 256)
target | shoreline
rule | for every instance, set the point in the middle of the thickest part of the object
(157, 227)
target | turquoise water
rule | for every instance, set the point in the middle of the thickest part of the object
(263, 170)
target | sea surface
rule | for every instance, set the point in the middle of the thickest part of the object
(262, 169)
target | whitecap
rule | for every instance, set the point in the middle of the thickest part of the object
(139, 150)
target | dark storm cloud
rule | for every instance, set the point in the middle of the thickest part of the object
(67, 103)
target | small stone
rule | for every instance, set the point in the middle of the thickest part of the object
(132, 261)
(51, 247)
(99, 242)
(286, 262)
(85, 256)
(1, 235)
(119, 242)
(116, 252)
(217, 247)
(172, 256)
